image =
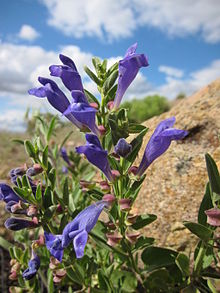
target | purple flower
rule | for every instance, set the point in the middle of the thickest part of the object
(16, 224)
(128, 69)
(14, 173)
(122, 148)
(54, 96)
(160, 142)
(54, 245)
(64, 170)
(68, 73)
(33, 266)
(82, 111)
(15, 207)
(7, 194)
(76, 231)
(96, 154)
(64, 155)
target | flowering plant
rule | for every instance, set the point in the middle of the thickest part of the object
(78, 227)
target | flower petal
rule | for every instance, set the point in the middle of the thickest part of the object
(79, 243)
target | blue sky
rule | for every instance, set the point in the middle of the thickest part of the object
(181, 41)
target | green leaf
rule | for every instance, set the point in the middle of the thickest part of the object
(20, 141)
(144, 220)
(91, 97)
(97, 64)
(47, 198)
(136, 128)
(66, 192)
(112, 69)
(157, 257)
(104, 281)
(199, 230)
(183, 263)
(111, 94)
(109, 82)
(135, 188)
(143, 242)
(51, 128)
(5, 244)
(24, 194)
(92, 76)
(73, 275)
(29, 149)
(50, 286)
(213, 174)
(52, 177)
(206, 204)
(39, 194)
(45, 157)
(66, 138)
(136, 145)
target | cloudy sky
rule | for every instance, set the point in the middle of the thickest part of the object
(181, 39)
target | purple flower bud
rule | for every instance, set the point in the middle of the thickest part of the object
(110, 198)
(160, 142)
(105, 186)
(122, 148)
(127, 71)
(16, 207)
(95, 154)
(213, 216)
(35, 170)
(16, 224)
(64, 155)
(33, 266)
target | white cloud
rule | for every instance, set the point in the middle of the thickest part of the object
(119, 19)
(12, 120)
(28, 33)
(192, 83)
(171, 71)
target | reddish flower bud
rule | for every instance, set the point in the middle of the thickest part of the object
(115, 174)
(132, 236)
(104, 186)
(131, 219)
(102, 129)
(133, 170)
(57, 280)
(94, 105)
(32, 211)
(110, 105)
(213, 216)
(125, 204)
(113, 238)
(110, 198)
(13, 276)
(60, 273)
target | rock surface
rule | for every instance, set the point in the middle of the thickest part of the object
(175, 182)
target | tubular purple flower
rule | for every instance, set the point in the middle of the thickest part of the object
(33, 266)
(7, 194)
(77, 230)
(160, 142)
(55, 97)
(54, 245)
(16, 224)
(82, 111)
(95, 154)
(68, 73)
(128, 69)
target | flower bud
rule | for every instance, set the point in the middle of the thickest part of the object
(131, 219)
(15, 207)
(113, 238)
(16, 267)
(115, 174)
(32, 211)
(110, 198)
(213, 216)
(59, 209)
(40, 241)
(105, 187)
(125, 204)
(122, 148)
(110, 225)
(13, 276)
(57, 280)
(16, 224)
(110, 105)
(60, 273)
(133, 170)
(102, 129)
(13, 261)
(132, 236)
(94, 105)
(35, 170)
